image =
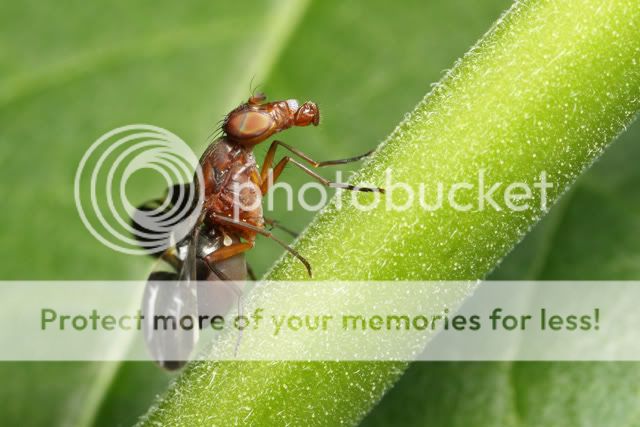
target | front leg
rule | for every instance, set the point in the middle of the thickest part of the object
(271, 154)
(276, 224)
(266, 183)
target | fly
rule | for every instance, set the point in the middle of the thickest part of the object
(214, 249)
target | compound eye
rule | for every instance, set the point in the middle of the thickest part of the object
(249, 124)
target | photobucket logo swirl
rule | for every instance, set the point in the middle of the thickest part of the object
(100, 189)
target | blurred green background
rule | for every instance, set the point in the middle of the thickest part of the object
(71, 71)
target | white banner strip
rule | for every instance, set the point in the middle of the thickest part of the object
(170, 322)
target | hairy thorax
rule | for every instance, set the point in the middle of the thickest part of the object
(232, 184)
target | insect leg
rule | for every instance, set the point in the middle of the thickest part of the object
(170, 256)
(228, 251)
(246, 226)
(275, 224)
(251, 273)
(215, 270)
(285, 160)
(223, 253)
(240, 331)
(271, 153)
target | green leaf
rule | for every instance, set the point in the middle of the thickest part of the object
(544, 91)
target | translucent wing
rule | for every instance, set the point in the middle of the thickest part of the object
(166, 303)
(170, 305)
(186, 288)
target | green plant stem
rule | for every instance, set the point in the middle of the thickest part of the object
(546, 89)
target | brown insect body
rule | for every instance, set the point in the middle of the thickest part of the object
(228, 165)
(229, 221)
